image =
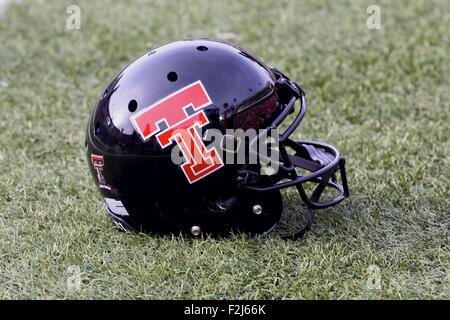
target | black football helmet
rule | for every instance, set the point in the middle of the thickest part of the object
(198, 85)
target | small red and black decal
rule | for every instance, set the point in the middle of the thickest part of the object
(97, 162)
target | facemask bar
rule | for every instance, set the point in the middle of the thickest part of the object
(321, 160)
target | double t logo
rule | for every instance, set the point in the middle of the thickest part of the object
(97, 162)
(170, 121)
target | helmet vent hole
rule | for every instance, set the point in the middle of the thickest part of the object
(202, 48)
(132, 105)
(172, 76)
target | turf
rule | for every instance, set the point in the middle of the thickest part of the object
(381, 96)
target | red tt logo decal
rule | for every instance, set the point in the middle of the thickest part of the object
(97, 162)
(170, 121)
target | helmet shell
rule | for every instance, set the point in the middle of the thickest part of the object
(140, 174)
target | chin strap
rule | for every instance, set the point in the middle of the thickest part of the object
(309, 216)
(302, 230)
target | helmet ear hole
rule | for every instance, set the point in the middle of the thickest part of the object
(202, 48)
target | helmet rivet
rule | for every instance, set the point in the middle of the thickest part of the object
(195, 230)
(257, 209)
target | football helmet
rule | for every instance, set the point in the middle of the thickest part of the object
(160, 172)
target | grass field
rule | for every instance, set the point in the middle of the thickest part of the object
(381, 96)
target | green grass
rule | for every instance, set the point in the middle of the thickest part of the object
(382, 97)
